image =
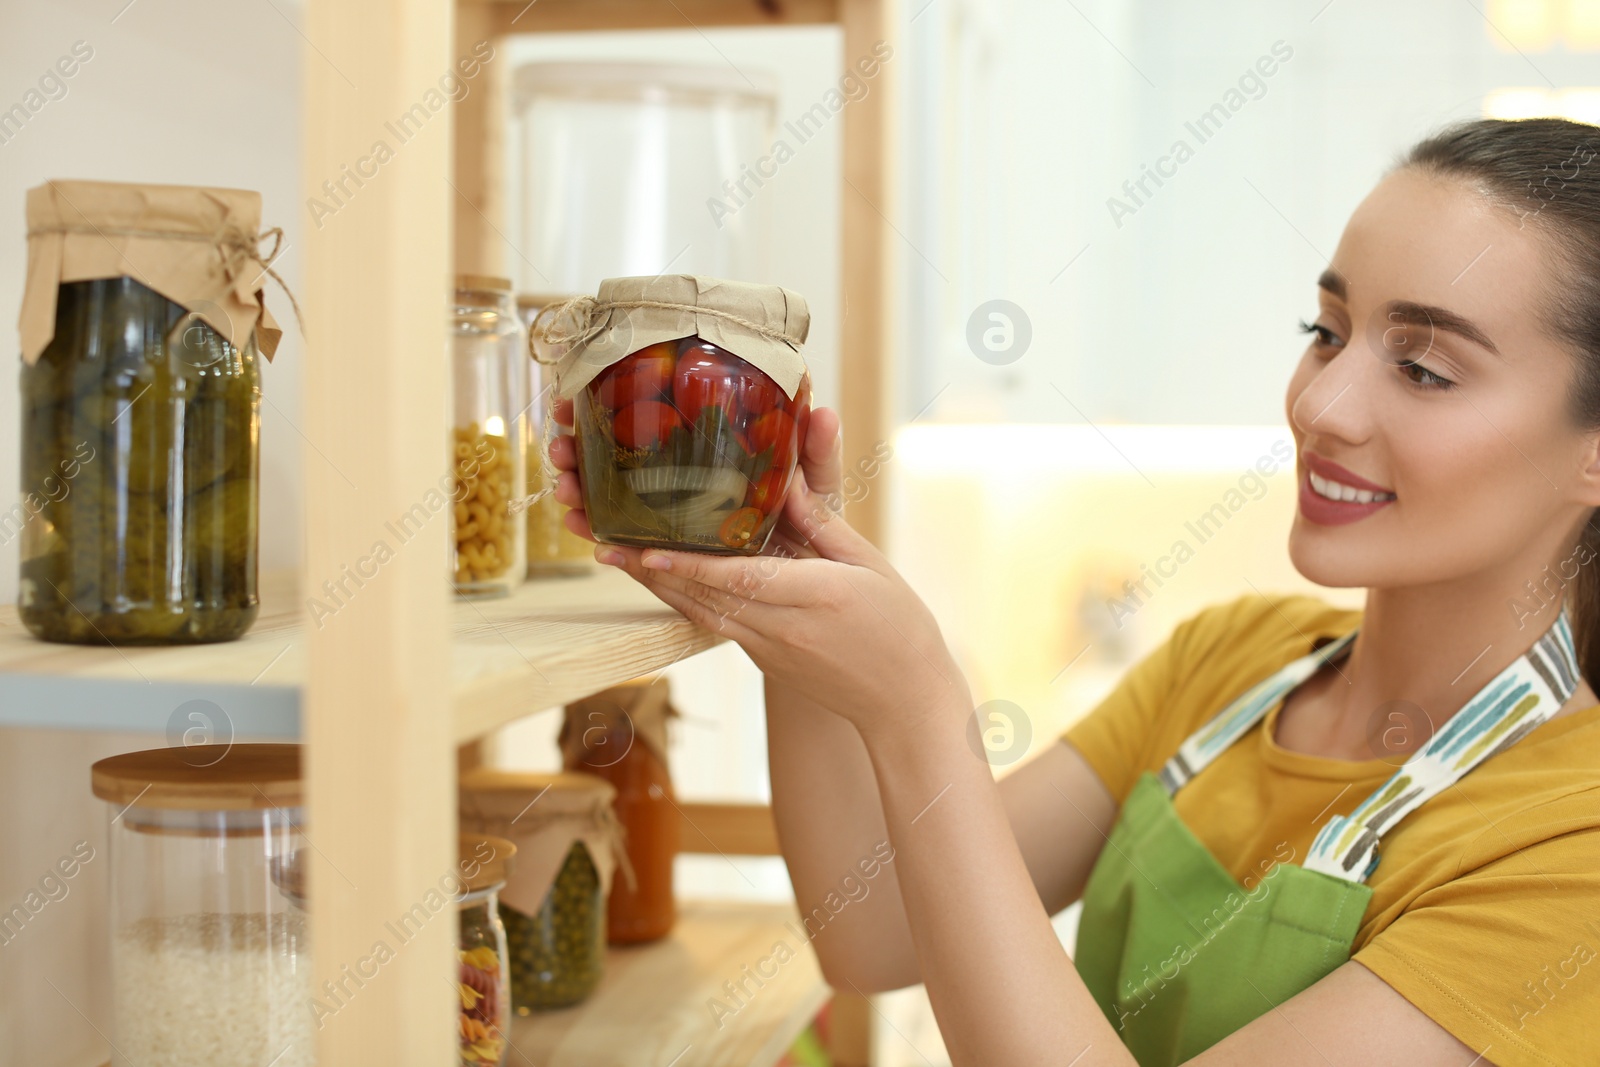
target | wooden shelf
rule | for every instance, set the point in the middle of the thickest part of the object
(653, 1007)
(518, 16)
(550, 642)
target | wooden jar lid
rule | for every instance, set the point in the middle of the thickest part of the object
(485, 860)
(202, 778)
(485, 283)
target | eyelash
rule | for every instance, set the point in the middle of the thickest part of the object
(1324, 335)
(1430, 382)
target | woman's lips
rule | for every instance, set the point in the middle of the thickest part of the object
(1327, 468)
(1325, 512)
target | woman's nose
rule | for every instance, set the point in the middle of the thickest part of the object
(1337, 401)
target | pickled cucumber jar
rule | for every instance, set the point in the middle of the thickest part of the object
(490, 442)
(143, 320)
(554, 902)
(140, 471)
(553, 549)
(484, 981)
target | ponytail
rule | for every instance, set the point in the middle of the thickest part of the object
(1584, 597)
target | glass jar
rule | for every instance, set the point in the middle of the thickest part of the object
(612, 164)
(558, 951)
(140, 474)
(553, 904)
(620, 735)
(553, 550)
(484, 981)
(490, 401)
(684, 445)
(210, 958)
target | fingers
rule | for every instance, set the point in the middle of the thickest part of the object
(788, 543)
(707, 607)
(820, 453)
(764, 579)
(563, 413)
(827, 532)
(568, 489)
(564, 453)
(577, 521)
(696, 610)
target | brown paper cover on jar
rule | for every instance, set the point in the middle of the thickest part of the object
(542, 814)
(764, 325)
(198, 247)
(638, 710)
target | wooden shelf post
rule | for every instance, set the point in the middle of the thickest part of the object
(868, 253)
(381, 758)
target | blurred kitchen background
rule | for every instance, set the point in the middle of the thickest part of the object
(1048, 449)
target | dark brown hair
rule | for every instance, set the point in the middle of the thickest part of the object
(1547, 172)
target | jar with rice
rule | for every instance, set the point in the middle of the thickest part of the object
(210, 954)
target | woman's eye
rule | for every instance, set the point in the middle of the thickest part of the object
(1424, 378)
(1325, 336)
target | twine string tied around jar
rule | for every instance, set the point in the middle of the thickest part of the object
(237, 246)
(592, 322)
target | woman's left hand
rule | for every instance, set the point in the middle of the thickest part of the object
(843, 628)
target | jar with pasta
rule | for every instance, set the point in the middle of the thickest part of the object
(483, 981)
(490, 439)
(553, 549)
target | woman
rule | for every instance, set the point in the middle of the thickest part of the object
(1446, 415)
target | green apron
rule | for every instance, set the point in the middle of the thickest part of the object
(1179, 955)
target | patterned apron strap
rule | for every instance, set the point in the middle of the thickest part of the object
(1225, 727)
(1519, 699)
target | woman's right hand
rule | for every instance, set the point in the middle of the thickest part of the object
(820, 465)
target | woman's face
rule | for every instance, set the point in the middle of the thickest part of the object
(1431, 378)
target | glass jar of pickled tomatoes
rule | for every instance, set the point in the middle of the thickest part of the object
(686, 445)
(690, 401)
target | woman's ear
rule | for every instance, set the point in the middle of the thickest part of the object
(1590, 476)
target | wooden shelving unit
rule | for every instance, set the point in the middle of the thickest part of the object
(655, 1005)
(383, 693)
(548, 643)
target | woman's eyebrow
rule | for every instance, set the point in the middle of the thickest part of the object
(1411, 313)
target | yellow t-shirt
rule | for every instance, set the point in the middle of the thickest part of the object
(1485, 909)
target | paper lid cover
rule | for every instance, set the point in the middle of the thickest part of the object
(764, 325)
(198, 247)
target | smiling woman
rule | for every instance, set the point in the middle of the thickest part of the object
(1299, 833)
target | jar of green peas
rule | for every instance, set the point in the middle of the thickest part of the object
(554, 902)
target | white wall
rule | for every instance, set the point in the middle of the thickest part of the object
(197, 94)
(1025, 119)
(188, 94)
